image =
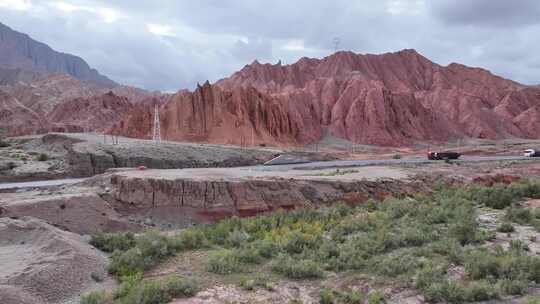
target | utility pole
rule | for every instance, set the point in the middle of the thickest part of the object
(156, 132)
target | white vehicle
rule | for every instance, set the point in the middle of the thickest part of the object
(531, 153)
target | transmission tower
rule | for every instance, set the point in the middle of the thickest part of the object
(156, 136)
(336, 42)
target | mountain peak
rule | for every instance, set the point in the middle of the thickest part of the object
(20, 51)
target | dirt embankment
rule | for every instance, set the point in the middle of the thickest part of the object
(167, 201)
(123, 200)
(43, 264)
(81, 155)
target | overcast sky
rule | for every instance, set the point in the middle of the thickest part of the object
(173, 44)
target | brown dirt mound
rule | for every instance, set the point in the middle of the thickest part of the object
(43, 264)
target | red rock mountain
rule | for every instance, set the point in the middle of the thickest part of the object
(59, 102)
(98, 113)
(389, 99)
(17, 119)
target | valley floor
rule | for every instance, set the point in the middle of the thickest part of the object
(402, 232)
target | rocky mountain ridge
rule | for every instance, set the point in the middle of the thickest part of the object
(390, 99)
(20, 51)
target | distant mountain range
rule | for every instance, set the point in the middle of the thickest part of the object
(394, 99)
(23, 58)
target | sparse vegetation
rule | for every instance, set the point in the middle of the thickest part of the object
(505, 228)
(297, 269)
(257, 282)
(337, 172)
(414, 240)
(111, 242)
(96, 297)
(327, 295)
(43, 157)
(134, 290)
(4, 144)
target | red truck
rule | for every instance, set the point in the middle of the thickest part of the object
(444, 155)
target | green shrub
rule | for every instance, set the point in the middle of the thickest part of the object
(396, 264)
(43, 157)
(176, 287)
(223, 262)
(396, 156)
(505, 228)
(297, 242)
(147, 292)
(532, 300)
(513, 264)
(297, 269)
(248, 255)
(512, 287)
(110, 242)
(525, 188)
(464, 232)
(95, 297)
(519, 215)
(127, 284)
(150, 248)
(237, 238)
(352, 297)
(326, 296)
(134, 290)
(265, 248)
(446, 291)
(4, 144)
(258, 281)
(190, 239)
(376, 297)
(479, 291)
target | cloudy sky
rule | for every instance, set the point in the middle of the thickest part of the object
(173, 44)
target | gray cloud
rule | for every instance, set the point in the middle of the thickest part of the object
(175, 44)
(488, 12)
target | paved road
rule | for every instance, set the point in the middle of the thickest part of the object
(303, 166)
(38, 184)
(382, 162)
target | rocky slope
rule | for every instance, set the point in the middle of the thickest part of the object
(398, 97)
(16, 118)
(43, 264)
(97, 113)
(11, 76)
(389, 99)
(82, 155)
(18, 50)
(211, 114)
(57, 99)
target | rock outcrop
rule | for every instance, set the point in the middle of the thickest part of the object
(18, 50)
(82, 155)
(172, 199)
(241, 116)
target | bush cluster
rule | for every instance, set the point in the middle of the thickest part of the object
(134, 290)
(413, 239)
